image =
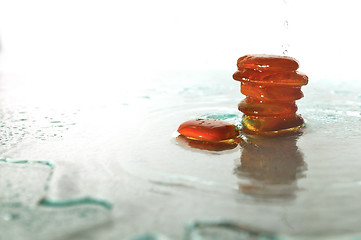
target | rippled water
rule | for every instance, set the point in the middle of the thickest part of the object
(119, 172)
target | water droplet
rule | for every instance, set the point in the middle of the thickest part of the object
(285, 24)
(10, 217)
(285, 48)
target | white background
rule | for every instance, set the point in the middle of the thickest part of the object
(98, 40)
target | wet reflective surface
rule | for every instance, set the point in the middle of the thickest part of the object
(105, 163)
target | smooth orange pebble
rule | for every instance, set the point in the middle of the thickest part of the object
(273, 78)
(264, 62)
(271, 94)
(255, 107)
(207, 145)
(208, 130)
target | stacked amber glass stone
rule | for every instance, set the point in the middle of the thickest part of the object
(272, 85)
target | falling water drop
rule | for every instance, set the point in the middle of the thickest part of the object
(285, 24)
(285, 45)
(285, 48)
(285, 40)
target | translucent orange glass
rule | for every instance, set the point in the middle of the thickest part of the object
(271, 94)
(285, 78)
(255, 107)
(267, 62)
(206, 145)
(271, 85)
(271, 123)
(208, 130)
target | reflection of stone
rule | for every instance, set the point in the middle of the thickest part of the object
(273, 165)
(211, 146)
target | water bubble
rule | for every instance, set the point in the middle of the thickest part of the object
(285, 48)
(10, 217)
(285, 24)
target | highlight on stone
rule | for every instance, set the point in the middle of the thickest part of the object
(210, 134)
(210, 146)
(271, 84)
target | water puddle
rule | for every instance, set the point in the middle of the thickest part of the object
(262, 183)
(263, 189)
(24, 205)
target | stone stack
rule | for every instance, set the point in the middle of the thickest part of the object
(272, 85)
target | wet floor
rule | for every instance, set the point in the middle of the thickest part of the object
(105, 164)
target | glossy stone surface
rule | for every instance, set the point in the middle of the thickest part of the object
(260, 124)
(271, 93)
(207, 145)
(271, 85)
(265, 62)
(208, 130)
(268, 77)
(256, 107)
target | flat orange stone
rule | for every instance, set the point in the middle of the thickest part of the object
(290, 78)
(255, 107)
(207, 145)
(208, 130)
(272, 123)
(267, 62)
(270, 93)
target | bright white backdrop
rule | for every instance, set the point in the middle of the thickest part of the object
(78, 40)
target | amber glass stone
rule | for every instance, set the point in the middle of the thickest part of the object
(271, 85)
(267, 62)
(286, 78)
(268, 93)
(280, 132)
(210, 146)
(271, 123)
(208, 130)
(255, 107)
